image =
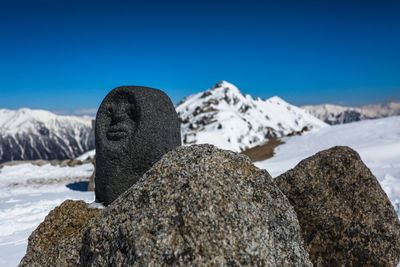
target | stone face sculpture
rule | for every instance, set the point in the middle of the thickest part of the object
(135, 127)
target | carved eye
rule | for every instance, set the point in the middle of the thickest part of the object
(109, 110)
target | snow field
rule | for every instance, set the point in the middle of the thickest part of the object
(24, 204)
(25, 200)
(377, 142)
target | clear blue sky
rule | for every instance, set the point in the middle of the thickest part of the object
(66, 55)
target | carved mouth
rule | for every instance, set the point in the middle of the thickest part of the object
(116, 133)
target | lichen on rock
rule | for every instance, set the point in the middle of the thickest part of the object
(56, 241)
(198, 205)
(346, 218)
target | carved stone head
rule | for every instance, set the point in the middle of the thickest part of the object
(135, 127)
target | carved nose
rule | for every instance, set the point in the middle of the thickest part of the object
(119, 116)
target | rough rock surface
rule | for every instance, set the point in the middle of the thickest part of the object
(65, 163)
(56, 241)
(135, 127)
(55, 162)
(346, 218)
(40, 162)
(198, 206)
(91, 184)
(74, 163)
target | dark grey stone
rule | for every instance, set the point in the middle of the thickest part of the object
(135, 127)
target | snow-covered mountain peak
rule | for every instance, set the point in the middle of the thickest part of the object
(14, 122)
(225, 87)
(39, 134)
(277, 100)
(226, 91)
(223, 116)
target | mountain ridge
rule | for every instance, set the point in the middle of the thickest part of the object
(336, 114)
(222, 115)
(28, 134)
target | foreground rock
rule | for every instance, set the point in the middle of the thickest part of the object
(346, 218)
(56, 240)
(197, 206)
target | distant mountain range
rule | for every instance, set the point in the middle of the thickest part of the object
(223, 116)
(333, 114)
(27, 134)
(220, 115)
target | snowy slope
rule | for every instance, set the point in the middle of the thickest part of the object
(334, 114)
(377, 142)
(224, 117)
(27, 194)
(27, 134)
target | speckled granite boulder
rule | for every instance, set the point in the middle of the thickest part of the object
(197, 206)
(56, 241)
(346, 218)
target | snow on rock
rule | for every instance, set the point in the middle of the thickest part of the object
(88, 155)
(226, 118)
(377, 142)
(27, 134)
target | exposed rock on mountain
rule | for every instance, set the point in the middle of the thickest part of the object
(28, 134)
(333, 114)
(346, 218)
(224, 117)
(197, 206)
(54, 242)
